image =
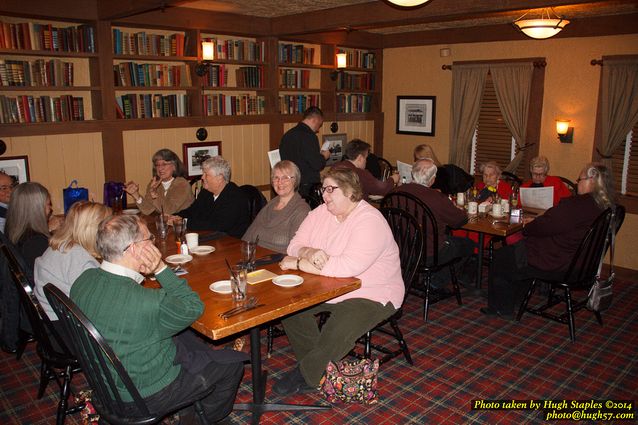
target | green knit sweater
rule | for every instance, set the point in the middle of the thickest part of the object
(139, 322)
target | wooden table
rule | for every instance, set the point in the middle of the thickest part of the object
(279, 302)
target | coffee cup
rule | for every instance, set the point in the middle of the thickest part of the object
(192, 239)
(460, 199)
(472, 207)
(497, 210)
(506, 206)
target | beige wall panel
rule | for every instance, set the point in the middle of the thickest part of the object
(571, 92)
(55, 160)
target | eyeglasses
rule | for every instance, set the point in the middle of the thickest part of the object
(162, 164)
(539, 174)
(150, 238)
(328, 189)
(282, 179)
(579, 179)
(6, 187)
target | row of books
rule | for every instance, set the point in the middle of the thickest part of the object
(239, 50)
(34, 36)
(294, 78)
(142, 43)
(358, 58)
(240, 104)
(296, 53)
(354, 103)
(250, 76)
(297, 104)
(152, 106)
(347, 81)
(132, 74)
(216, 75)
(40, 72)
(34, 109)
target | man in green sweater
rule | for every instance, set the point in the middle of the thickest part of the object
(146, 327)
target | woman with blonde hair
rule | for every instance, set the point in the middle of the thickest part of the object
(426, 152)
(71, 251)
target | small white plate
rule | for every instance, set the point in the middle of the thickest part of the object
(131, 211)
(288, 280)
(221, 287)
(179, 259)
(202, 250)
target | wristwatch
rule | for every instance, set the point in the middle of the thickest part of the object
(298, 260)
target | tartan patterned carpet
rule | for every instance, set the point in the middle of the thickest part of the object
(459, 356)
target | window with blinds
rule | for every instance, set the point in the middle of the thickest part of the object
(625, 164)
(492, 139)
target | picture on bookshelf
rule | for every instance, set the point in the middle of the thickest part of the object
(334, 143)
(416, 115)
(17, 167)
(196, 153)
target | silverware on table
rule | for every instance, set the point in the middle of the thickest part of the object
(249, 303)
(242, 310)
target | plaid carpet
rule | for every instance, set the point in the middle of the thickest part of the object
(459, 356)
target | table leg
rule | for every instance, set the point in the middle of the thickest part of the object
(259, 376)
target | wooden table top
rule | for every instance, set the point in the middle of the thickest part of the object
(279, 301)
(489, 225)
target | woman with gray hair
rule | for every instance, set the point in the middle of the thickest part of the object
(168, 191)
(491, 184)
(279, 220)
(550, 241)
(222, 206)
(539, 169)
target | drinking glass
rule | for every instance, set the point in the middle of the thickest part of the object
(177, 228)
(160, 224)
(248, 254)
(238, 281)
(514, 200)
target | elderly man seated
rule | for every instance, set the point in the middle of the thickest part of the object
(538, 168)
(445, 213)
(145, 326)
(223, 206)
(356, 157)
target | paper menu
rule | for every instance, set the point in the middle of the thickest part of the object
(537, 197)
(274, 157)
(327, 145)
(405, 172)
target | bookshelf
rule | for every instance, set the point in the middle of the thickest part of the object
(45, 71)
(357, 86)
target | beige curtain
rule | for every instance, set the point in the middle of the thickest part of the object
(513, 85)
(619, 103)
(467, 93)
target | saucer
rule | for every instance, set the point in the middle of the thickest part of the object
(288, 280)
(179, 259)
(202, 250)
(221, 287)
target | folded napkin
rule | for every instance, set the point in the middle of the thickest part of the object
(269, 259)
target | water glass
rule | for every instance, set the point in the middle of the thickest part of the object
(248, 250)
(160, 224)
(177, 228)
(238, 281)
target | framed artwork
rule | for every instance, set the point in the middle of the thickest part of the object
(196, 153)
(416, 115)
(334, 143)
(17, 167)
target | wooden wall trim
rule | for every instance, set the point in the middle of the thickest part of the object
(64, 10)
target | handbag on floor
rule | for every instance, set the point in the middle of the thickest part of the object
(600, 294)
(351, 381)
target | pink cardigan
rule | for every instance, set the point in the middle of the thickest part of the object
(361, 246)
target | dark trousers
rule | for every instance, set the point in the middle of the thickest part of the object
(452, 247)
(511, 277)
(202, 367)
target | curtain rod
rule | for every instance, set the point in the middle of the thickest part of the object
(595, 62)
(537, 64)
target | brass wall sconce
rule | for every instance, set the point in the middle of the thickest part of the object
(565, 132)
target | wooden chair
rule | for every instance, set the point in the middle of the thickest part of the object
(256, 200)
(103, 369)
(386, 168)
(57, 362)
(580, 274)
(429, 263)
(573, 187)
(511, 178)
(408, 236)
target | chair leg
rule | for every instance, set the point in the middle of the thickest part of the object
(64, 395)
(402, 344)
(45, 376)
(523, 306)
(455, 284)
(200, 413)
(426, 301)
(570, 315)
(599, 318)
(367, 350)
(270, 336)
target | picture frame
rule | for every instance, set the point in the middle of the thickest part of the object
(17, 167)
(335, 144)
(416, 115)
(196, 153)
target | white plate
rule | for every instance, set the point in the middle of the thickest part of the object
(179, 259)
(288, 280)
(499, 216)
(131, 211)
(375, 197)
(202, 250)
(221, 287)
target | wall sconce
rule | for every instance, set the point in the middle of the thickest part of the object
(341, 65)
(208, 55)
(565, 132)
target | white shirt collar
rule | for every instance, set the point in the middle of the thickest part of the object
(167, 184)
(122, 271)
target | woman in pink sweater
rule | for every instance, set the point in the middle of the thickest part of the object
(343, 237)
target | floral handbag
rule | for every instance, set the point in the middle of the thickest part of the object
(351, 381)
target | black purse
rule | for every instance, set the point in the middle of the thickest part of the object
(601, 295)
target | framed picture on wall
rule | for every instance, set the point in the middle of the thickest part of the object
(17, 167)
(334, 143)
(196, 153)
(416, 115)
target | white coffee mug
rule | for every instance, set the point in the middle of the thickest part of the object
(497, 210)
(460, 199)
(192, 239)
(472, 207)
(506, 206)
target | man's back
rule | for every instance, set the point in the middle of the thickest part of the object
(301, 146)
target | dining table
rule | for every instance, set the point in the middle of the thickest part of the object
(273, 302)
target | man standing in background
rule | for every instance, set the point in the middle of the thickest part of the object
(301, 146)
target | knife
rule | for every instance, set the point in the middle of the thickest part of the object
(241, 310)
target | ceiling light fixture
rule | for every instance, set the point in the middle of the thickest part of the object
(545, 26)
(406, 4)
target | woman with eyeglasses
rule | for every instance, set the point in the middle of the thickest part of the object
(539, 169)
(71, 251)
(343, 237)
(550, 241)
(279, 220)
(168, 191)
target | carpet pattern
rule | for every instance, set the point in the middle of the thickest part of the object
(459, 356)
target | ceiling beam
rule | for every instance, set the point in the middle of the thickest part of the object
(63, 9)
(117, 9)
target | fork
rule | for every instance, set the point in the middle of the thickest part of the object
(249, 303)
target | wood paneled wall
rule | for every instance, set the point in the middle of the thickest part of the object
(55, 160)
